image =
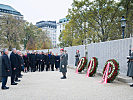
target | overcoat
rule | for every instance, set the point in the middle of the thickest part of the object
(66, 58)
(0, 66)
(63, 63)
(57, 61)
(52, 59)
(14, 61)
(6, 65)
(130, 66)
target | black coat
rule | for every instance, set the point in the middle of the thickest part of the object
(6, 65)
(37, 57)
(47, 62)
(130, 66)
(19, 61)
(44, 58)
(52, 59)
(57, 61)
(0, 66)
(14, 61)
(25, 60)
(32, 58)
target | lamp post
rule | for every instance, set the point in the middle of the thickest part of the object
(123, 25)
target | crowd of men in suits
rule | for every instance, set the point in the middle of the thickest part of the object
(30, 62)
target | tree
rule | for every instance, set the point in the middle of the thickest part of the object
(35, 38)
(94, 21)
(11, 31)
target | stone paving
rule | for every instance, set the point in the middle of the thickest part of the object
(49, 86)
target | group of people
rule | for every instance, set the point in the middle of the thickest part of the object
(39, 61)
(36, 61)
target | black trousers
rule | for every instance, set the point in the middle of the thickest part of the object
(47, 67)
(4, 81)
(37, 64)
(33, 67)
(13, 76)
(28, 66)
(52, 67)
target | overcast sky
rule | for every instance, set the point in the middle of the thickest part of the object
(38, 10)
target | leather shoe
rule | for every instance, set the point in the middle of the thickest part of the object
(14, 83)
(4, 88)
(17, 80)
(63, 77)
(131, 85)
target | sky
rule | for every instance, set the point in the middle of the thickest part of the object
(38, 10)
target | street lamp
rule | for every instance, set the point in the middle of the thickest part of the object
(123, 25)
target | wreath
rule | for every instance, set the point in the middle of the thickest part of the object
(113, 70)
(94, 66)
(81, 64)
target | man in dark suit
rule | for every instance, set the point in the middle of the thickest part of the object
(37, 60)
(57, 62)
(33, 62)
(14, 64)
(44, 60)
(18, 70)
(52, 61)
(47, 62)
(28, 60)
(40, 61)
(6, 69)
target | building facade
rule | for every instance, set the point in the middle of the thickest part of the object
(6, 9)
(50, 27)
(60, 26)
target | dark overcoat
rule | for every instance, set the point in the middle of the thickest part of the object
(6, 65)
(0, 66)
(57, 61)
(40, 57)
(14, 61)
(52, 59)
(130, 66)
(47, 60)
(63, 63)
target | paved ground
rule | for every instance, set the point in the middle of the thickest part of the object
(49, 86)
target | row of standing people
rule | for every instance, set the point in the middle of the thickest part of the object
(11, 67)
(38, 61)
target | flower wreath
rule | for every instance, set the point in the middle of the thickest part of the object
(113, 70)
(94, 66)
(81, 64)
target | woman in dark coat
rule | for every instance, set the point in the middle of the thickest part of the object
(6, 69)
(77, 57)
(57, 62)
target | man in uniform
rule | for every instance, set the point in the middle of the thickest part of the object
(63, 64)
